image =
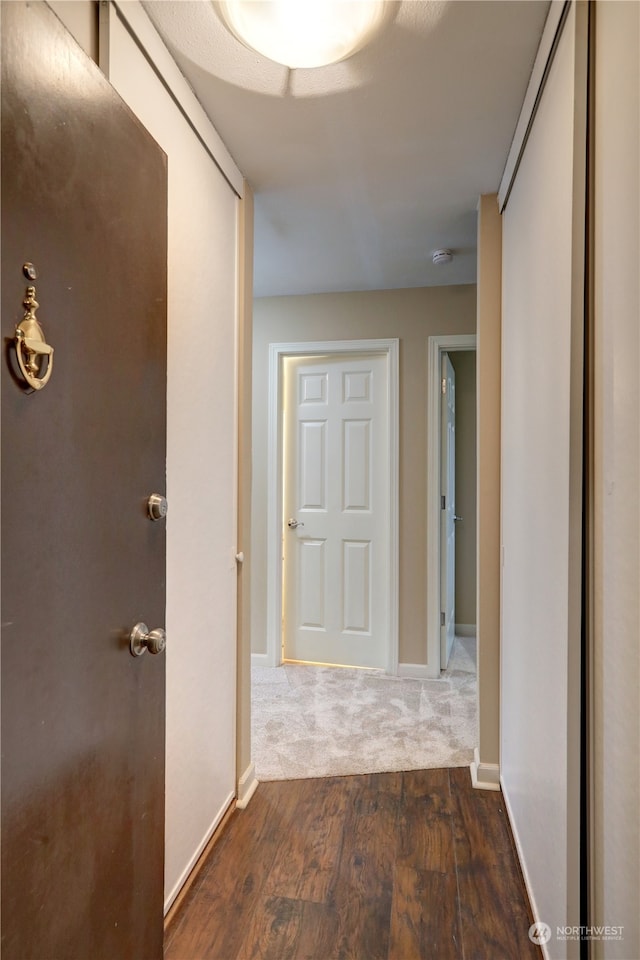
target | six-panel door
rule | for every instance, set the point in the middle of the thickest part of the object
(336, 491)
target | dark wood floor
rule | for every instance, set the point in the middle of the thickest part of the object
(389, 866)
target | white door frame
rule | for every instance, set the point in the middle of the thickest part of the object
(436, 346)
(278, 352)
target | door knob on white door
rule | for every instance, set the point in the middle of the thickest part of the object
(458, 519)
(142, 639)
(292, 524)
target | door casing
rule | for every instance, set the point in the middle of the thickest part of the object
(278, 352)
(447, 516)
(436, 346)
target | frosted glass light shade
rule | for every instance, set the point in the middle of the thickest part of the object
(303, 33)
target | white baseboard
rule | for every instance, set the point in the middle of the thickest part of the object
(260, 660)
(466, 629)
(415, 671)
(523, 867)
(484, 776)
(246, 786)
(196, 854)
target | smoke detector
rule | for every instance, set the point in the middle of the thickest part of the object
(442, 256)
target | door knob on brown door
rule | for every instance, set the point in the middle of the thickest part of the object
(142, 639)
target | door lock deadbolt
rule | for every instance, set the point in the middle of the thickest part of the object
(157, 506)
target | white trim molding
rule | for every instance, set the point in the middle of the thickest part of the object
(247, 785)
(546, 50)
(413, 671)
(260, 660)
(435, 347)
(137, 22)
(484, 776)
(278, 352)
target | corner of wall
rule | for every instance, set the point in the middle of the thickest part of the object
(247, 786)
(245, 336)
(484, 776)
(488, 360)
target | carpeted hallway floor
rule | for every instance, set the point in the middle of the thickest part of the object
(310, 721)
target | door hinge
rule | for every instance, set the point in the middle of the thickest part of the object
(444, 386)
(443, 502)
(442, 619)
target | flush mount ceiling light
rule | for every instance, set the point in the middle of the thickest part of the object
(303, 33)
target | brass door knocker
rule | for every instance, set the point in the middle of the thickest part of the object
(35, 356)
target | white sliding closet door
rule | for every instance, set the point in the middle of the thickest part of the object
(201, 465)
(616, 668)
(543, 262)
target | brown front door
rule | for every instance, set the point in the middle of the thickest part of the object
(84, 200)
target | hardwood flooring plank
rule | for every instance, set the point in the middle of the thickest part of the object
(363, 929)
(306, 862)
(425, 837)
(318, 933)
(488, 876)
(424, 916)
(208, 933)
(363, 890)
(272, 931)
(283, 929)
(429, 784)
(369, 842)
(211, 923)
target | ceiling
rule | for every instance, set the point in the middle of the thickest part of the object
(362, 169)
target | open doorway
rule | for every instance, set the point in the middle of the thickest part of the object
(311, 720)
(451, 527)
(464, 364)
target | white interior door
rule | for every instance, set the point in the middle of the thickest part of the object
(448, 511)
(336, 511)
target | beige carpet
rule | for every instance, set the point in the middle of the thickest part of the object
(310, 721)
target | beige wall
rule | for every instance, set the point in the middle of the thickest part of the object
(412, 316)
(464, 364)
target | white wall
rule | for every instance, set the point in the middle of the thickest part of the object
(201, 463)
(616, 662)
(541, 486)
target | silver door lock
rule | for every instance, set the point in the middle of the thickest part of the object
(157, 506)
